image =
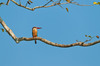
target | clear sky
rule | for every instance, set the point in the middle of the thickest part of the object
(58, 26)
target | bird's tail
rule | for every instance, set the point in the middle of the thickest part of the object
(35, 42)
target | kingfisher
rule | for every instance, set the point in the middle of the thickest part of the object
(34, 32)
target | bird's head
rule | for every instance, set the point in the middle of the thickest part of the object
(36, 27)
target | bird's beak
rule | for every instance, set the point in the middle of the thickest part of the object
(38, 27)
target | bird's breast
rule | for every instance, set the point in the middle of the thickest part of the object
(34, 32)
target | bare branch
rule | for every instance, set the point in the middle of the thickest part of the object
(80, 4)
(45, 6)
(8, 30)
(17, 40)
(48, 2)
(59, 45)
(7, 2)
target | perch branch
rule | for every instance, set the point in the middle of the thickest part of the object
(44, 6)
(17, 40)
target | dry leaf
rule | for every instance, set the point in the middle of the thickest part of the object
(85, 35)
(68, 1)
(96, 3)
(97, 37)
(67, 9)
(28, 2)
(2, 30)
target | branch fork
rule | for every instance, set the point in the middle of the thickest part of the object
(44, 6)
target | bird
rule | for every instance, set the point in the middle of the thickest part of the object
(34, 32)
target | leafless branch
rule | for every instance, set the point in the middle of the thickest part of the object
(48, 2)
(80, 4)
(45, 6)
(8, 30)
(17, 40)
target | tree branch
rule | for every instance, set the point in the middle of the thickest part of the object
(17, 40)
(8, 30)
(7, 2)
(45, 6)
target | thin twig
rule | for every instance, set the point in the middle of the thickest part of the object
(47, 3)
(7, 2)
(80, 4)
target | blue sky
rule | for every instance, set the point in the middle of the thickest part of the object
(58, 26)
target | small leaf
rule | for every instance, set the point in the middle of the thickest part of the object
(90, 36)
(2, 30)
(30, 1)
(58, 3)
(94, 3)
(98, 3)
(85, 35)
(68, 1)
(97, 37)
(67, 9)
